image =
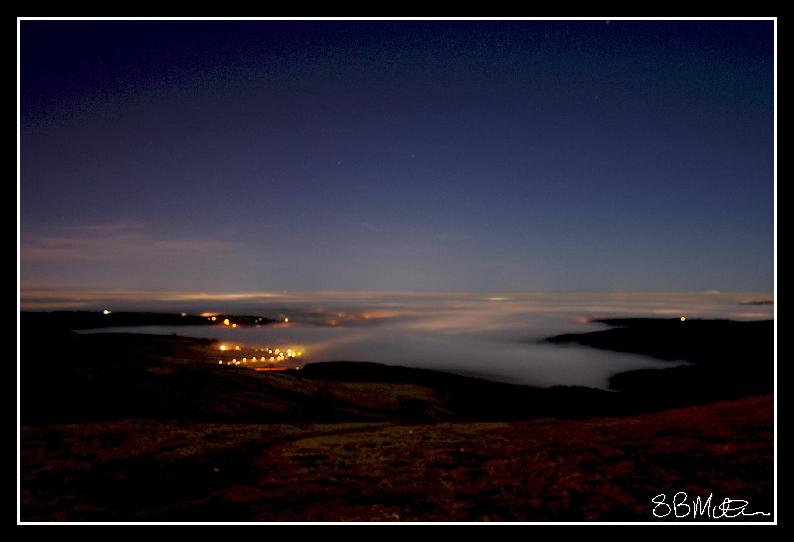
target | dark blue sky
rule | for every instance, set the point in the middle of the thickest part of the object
(397, 155)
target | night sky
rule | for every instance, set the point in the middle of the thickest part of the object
(397, 155)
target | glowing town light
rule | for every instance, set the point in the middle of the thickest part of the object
(234, 325)
(245, 360)
(223, 347)
(105, 311)
(683, 318)
(286, 320)
(272, 358)
(213, 318)
(183, 314)
(277, 351)
(234, 360)
(237, 347)
(226, 322)
(262, 358)
(220, 362)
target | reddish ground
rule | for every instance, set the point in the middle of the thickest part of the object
(592, 470)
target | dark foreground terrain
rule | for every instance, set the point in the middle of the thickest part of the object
(599, 469)
(120, 427)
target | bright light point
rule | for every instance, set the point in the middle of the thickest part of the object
(183, 314)
(237, 347)
(223, 347)
(262, 358)
(105, 311)
(234, 325)
(683, 318)
(220, 362)
(225, 321)
(286, 320)
(213, 318)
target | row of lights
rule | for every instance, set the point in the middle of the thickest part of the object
(277, 352)
(274, 355)
(227, 322)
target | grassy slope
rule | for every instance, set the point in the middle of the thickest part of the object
(600, 469)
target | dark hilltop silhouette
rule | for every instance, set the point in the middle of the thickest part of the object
(724, 359)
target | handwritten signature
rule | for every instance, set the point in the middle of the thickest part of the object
(680, 507)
